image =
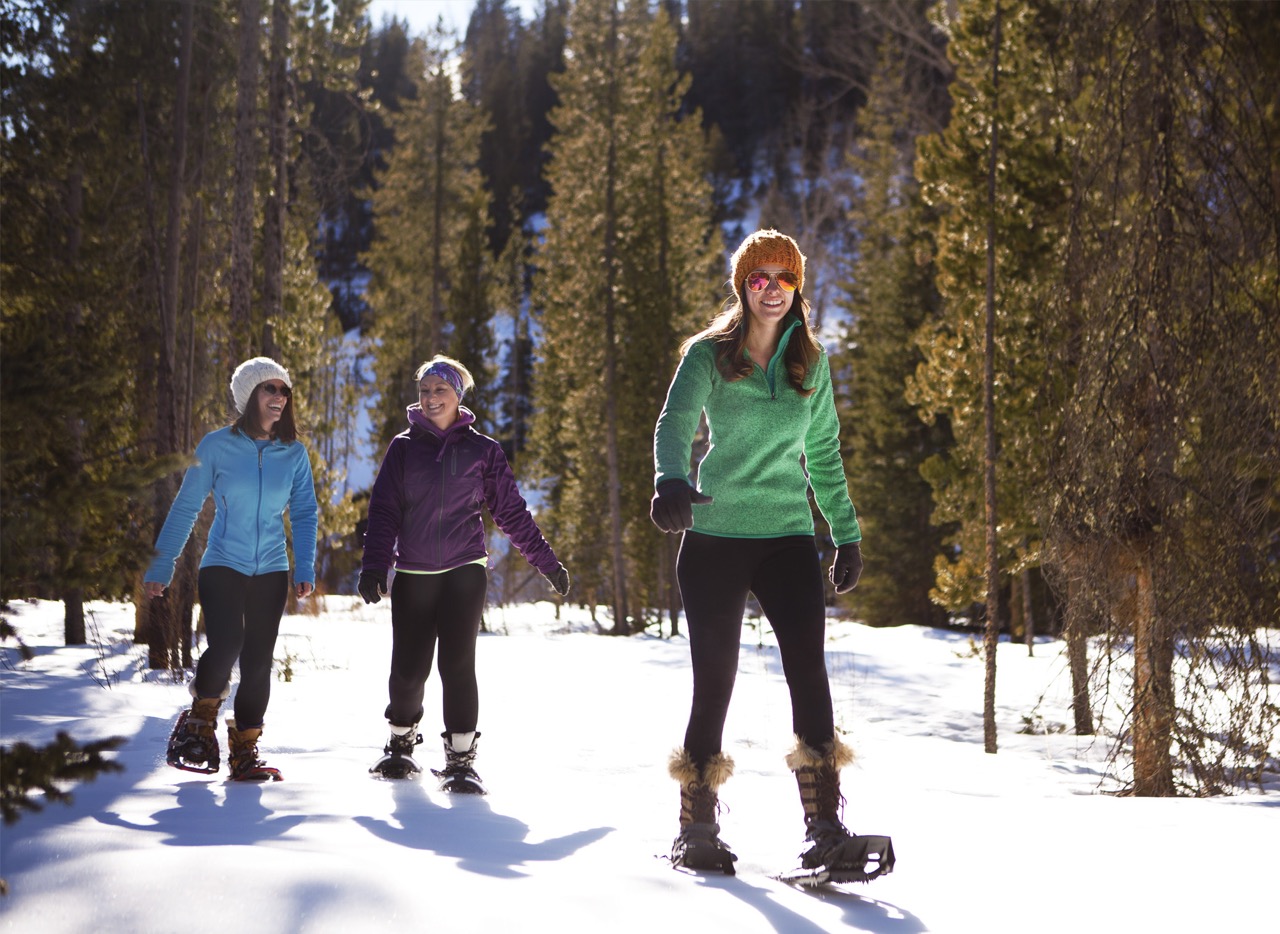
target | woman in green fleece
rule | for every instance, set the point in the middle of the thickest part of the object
(763, 381)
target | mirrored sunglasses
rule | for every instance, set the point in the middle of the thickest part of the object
(759, 281)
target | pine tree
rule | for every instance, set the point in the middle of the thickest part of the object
(133, 103)
(1162, 515)
(623, 276)
(24, 768)
(1031, 238)
(75, 258)
(429, 193)
(891, 294)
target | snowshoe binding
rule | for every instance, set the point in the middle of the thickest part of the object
(459, 775)
(245, 764)
(397, 760)
(839, 856)
(193, 744)
(699, 847)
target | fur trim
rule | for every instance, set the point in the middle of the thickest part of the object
(191, 689)
(682, 768)
(243, 737)
(835, 754)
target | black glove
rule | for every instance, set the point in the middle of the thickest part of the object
(672, 507)
(559, 580)
(847, 567)
(373, 584)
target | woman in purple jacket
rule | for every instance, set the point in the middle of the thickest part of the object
(424, 516)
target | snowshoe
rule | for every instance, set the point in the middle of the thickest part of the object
(459, 781)
(257, 773)
(839, 856)
(395, 765)
(245, 764)
(193, 745)
(699, 847)
(459, 775)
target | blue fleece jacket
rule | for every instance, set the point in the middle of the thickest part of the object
(252, 486)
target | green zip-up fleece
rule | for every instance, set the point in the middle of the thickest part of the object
(760, 429)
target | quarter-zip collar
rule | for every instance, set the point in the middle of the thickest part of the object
(771, 369)
(418, 419)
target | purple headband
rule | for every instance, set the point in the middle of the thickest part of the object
(446, 373)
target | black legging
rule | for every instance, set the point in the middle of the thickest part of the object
(241, 621)
(426, 608)
(715, 577)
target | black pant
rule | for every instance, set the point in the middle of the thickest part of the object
(431, 608)
(715, 577)
(241, 622)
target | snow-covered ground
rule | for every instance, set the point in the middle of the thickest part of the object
(577, 728)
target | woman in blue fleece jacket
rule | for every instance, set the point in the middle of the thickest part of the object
(255, 469)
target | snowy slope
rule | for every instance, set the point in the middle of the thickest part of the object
(576, 731)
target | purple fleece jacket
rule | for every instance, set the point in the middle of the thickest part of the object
(424, 511)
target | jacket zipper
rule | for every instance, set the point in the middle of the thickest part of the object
(439, 523)
(257, 521)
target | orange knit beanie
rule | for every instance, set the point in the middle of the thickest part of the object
(762, 248)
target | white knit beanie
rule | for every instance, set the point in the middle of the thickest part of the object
(252, 372)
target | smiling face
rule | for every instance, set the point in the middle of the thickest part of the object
(438, 400)
(270, 399)
(770, 305)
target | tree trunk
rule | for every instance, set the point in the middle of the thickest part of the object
(1152, 678)
(436, 331)
(1077, 635)
(991, 638)
(1028, 613)
(621, 622)
(72, 530)
(241, 279)
(73, 527)
(670, 549)
(277, 197)
(73, 616)
(1153, 700)
(161, 620)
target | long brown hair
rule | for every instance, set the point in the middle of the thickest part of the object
(285, 429)
(729, 330)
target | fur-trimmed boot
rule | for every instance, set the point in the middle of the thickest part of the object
(193, 744)
(834, 851)
(244, 761)
(698, 845)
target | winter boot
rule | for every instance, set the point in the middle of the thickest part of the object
(459, 774)
(397, 756)
(835, 854)
(193, 745)
(698, 845)
(245, 764)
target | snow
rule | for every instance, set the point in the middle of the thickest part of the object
(576, 729)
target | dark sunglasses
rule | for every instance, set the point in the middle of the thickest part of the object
(275, 389)
(759, 281)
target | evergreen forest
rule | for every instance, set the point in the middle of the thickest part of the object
(1043, 245)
